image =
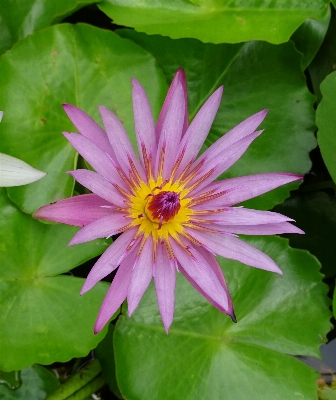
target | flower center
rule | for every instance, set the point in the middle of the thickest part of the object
(162, 207)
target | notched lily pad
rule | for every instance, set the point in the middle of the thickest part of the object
(76, 64)
(215, 21)
(42, 316)
(207, 355)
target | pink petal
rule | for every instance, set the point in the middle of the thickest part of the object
(117, 292)
(198, 130)
(89, 128)
(239, 132)
(110, 259)
(96, 157)
(171, 133)
(202, 274)
(78, 210)
(120, 142)
(244, 216)
(143, 122)
(178, 78)
(258, 229)
(240, 189)
(165, 279)
(231, 247)
(245, 128)
(240, 137)
(212, 262)
(222, 161)
(141, 276)
(102, 227)
(98, 185)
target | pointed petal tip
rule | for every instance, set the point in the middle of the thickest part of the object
(135, 82)
(36, 214)
(84, 289)
(102, 110)
(299, 177)
(67, 135)
(295, 229)
(167, 323)
(180, 75)
(233, 317)
(98, 326)
(72, 242)
(130, 309)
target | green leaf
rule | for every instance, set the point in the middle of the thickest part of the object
(325, 61)
(105, 355)
(11, 379)
(81, 65)
(326, 122)
(42, 316)
(309, 37)
(249, 86)
(209, 357)
(21, 18)
(215, 21)
(315, 214)
(82, 379)
(327, 393)
(37, 384)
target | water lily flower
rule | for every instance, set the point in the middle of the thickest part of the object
(168, 210)
(15, 172)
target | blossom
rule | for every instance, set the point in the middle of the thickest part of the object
(168, 210)
(15, 172)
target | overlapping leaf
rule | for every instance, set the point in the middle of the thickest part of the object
(20, 18)
(326, 122)
(207, 356)
(325, 60)
(105, 354)
(309, 37)
(315, 214)
(36, 383)
(215, 21)
(250, 85)
(81, 65)
(42, 316)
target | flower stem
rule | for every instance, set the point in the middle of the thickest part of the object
(88, 389)
(87, 377)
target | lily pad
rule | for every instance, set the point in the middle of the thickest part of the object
(325, 61)
(309, 37)
(42, 316)
(80, 65)
(206, 355)
(37, 383)
(249, 86)
(326, 122)
(215, 21)
(315, 214)
(21, 18)
(105, 354)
